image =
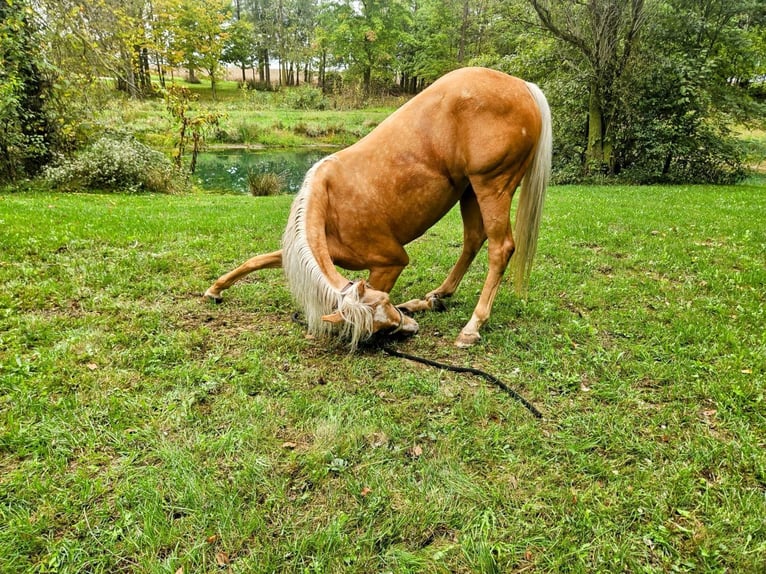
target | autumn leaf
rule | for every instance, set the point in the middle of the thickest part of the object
(366, 490)
(222, 559)
(528, 555)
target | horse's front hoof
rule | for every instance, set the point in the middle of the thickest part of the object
(466, 340)
(215, 297)
(437, 303)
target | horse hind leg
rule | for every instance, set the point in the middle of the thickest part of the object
(474, 237)
(271, 260)
(495, 210)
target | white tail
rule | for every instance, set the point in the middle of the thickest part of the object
(533, 187)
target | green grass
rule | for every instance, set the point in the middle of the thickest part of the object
(145, 430)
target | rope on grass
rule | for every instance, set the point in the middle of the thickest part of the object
(455, 369)
(479, 373)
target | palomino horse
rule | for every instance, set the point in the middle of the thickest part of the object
(471, 137)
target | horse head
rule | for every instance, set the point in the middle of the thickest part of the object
(368, 311)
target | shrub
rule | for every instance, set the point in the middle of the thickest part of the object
(305, 98)
(318, 131)
(259, 85)
(116, 164)
(263, 184)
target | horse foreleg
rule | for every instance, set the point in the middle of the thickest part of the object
(384, 278)
(266, 261)
(474, 237)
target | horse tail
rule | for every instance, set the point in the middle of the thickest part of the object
(533, 186)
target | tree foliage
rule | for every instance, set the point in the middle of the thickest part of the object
(27, 132)
(640, 89)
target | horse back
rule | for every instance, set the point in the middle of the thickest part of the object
(395, 183)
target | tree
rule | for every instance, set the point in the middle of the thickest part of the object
(200, 34)
(240, 47)
(263, 15)
(606, 34)
(108, 36)
(683, 99)
(27, 134)
(367, 35)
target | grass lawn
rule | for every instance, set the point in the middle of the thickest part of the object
(145, 430)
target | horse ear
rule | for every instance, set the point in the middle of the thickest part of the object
(334, 318)
(360, 287)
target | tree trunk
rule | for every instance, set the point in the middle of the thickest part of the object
(600, 153)
(367, 80)
(322, 65)
(160, 70)
(463, 33)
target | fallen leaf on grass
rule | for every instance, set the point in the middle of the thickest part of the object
(92, 366)
(365, 491)
(222, 559)
(212, 539)
(180, 570)
(528, 555)
(416, 451)
(747, 371)
(289, 445)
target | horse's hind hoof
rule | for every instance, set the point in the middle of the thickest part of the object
(465, 340)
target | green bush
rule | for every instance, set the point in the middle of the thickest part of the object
(116, 164)
(305, 98)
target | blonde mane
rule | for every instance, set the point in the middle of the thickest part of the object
(309, 286)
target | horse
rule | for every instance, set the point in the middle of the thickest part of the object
(472, 137)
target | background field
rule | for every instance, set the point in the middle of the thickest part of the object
(145, 430)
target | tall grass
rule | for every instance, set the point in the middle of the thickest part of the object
(145, 430)
(264, 183)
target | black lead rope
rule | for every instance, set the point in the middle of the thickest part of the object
(491, 378)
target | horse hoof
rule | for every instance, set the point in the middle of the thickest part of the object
(217, 299)
(437, 304)
(465, 340)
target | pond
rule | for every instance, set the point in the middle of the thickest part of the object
(227, 170)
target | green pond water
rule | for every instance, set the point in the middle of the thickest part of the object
(228, 170)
